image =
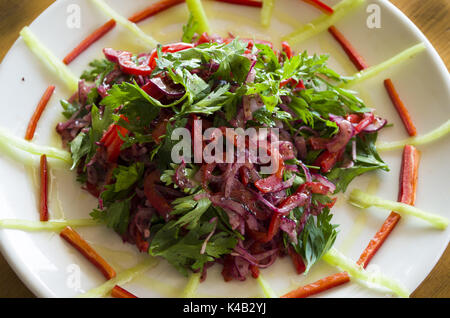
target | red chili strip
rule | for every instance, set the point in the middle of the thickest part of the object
(38, 112)
(327, 160)
(154, 197)
(407, 195)
(400, 107)
(287, 49)
(112, 141)
(87, 42)
(319, 286)
(254, 270)
(297, 260)
(170, 48)
(357, 60)
(153, 9)
(250, 3)
(119, 292)
(87, 251)
(43, 204)
(321, 6)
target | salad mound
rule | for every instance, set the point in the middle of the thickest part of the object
(120, 127)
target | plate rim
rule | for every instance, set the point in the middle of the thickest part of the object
(41, 290)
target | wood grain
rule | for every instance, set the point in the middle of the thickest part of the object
(430, 16)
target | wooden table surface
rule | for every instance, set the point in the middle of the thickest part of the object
(430, 16)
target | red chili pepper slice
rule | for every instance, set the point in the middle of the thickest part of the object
(327, 160)
(287, 49)
(255, 271)
(170, 48)
(127, 65)
(321, 6)
(112, 141)
(154, 197)
(366, 121)
(119, 292)
(297, 85)
(43, 206)
(297, 260)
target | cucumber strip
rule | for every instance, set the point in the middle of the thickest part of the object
(335, 258)
(27, 158)
(364, 200)
(52, 225)
(49, 59)
(266, 12)
(374, 70)
(430, 137)
(323, 22)
(267, 290)
(121, 279)
(191, 288)
(198, 12)
(7, 140)
(132, 27)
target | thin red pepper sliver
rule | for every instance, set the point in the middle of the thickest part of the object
(400, 107)
(43, 202)
(407, 195)
(321, 6)
(38, 112)
(287, 49)
(297, 260)
(74, 239)
(327, 160)
(356, 59)
(153, 9)
(89, 40)
(254, 270)
(319, 286)
(155, 198)
(119, 292)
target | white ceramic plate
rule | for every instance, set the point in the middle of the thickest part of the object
(45, 262)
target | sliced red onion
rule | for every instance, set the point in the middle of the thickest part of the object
(242, 267)
(330, 185)
(291, 168)
(300, 144)
(274, 184)
(230, 176)
(286, 149)
(200, 196)
(231, 205)
(354, 150)
(157, 89)
(181, 179)
(83, 91)
(308, 129)
(300, 200)
(240, 251)
(289, 226)
(347, 164)
(343, 136)
(251, 73)
(305, 171)
(203, 249)
(264, 201)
